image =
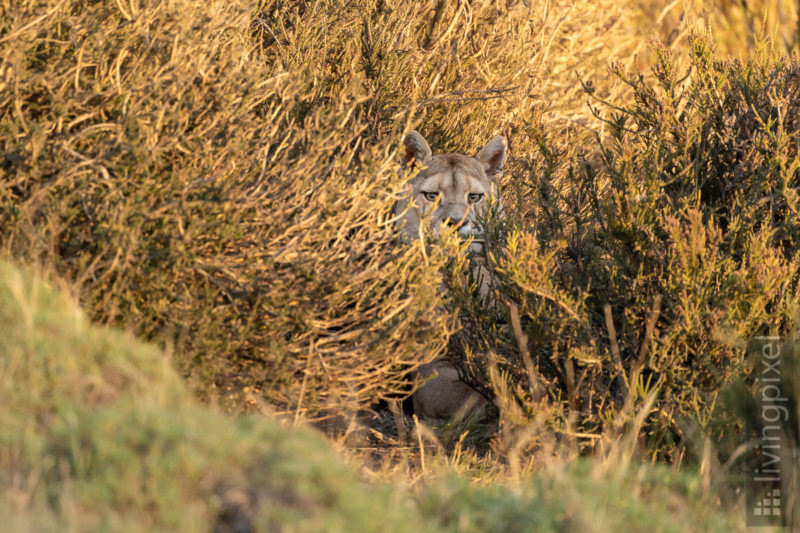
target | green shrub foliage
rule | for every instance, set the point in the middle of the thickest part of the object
(649, 265)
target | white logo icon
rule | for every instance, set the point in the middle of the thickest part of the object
(770, 505)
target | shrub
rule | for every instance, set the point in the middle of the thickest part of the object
(220, 177)
(648, 266)
(173, 178)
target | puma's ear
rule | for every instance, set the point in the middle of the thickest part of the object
(416, 149)
(492, 156)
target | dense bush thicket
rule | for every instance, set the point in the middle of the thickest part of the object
(192, 192)
(221, 175)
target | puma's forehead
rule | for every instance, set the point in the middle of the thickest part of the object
(453, 171)
(455, 182)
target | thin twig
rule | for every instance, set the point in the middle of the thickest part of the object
(612, 335)
(648, 335)
(522, 343)
(467, 95)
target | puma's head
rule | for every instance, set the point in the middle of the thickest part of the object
(453, 188)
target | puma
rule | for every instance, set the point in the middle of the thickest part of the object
(454, 190)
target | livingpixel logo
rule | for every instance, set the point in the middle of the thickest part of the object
(765, 487)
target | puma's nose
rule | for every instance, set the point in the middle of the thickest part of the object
(453, 221)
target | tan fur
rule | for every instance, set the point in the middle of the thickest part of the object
(444, 395)
(462, 186)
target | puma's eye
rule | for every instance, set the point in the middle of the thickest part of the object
(474, 198)
(430, 196)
